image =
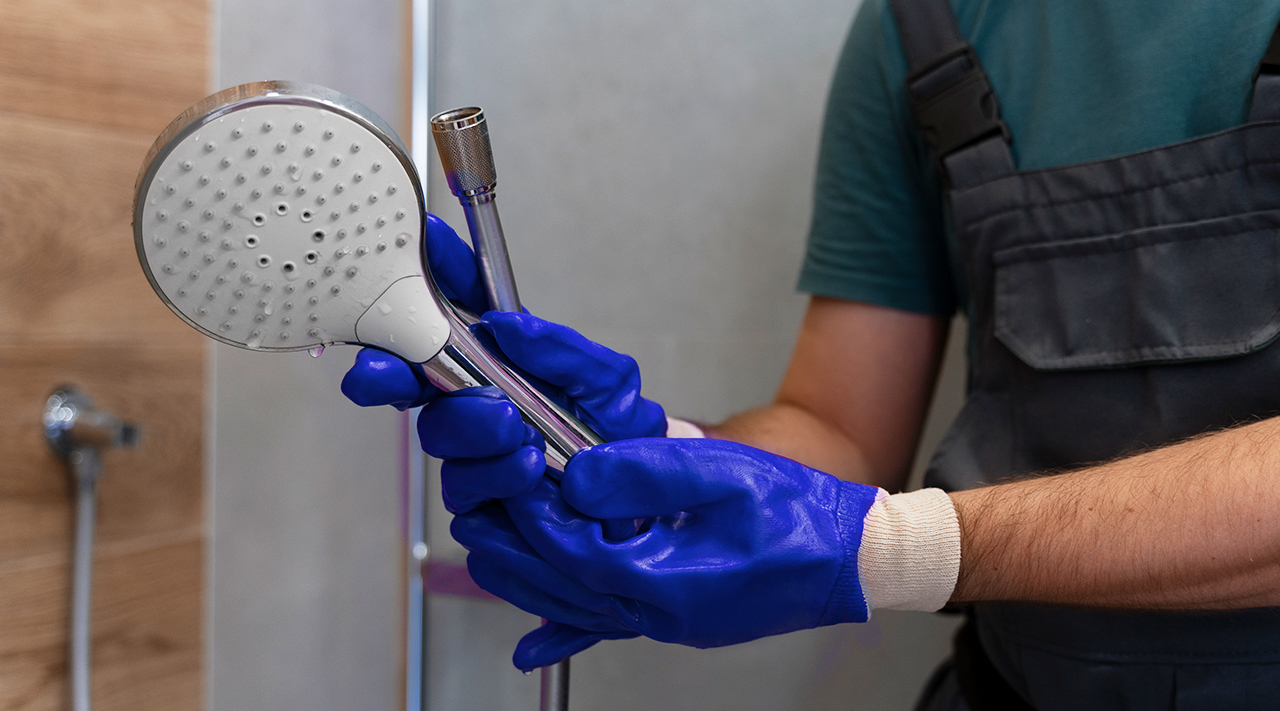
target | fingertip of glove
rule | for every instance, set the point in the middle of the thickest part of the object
(550, 644)
(380, 378)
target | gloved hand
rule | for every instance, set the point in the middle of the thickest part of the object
(487, 449)
(743, 544)
(489, 452)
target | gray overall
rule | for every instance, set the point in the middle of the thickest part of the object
(1114, 306)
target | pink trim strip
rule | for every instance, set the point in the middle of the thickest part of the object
(452, 580)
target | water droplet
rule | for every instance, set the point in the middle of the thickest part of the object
(318, 350)
(385, 309)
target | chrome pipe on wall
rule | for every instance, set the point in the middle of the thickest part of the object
(78, 433)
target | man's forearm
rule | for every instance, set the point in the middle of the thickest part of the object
(794, 433)
(1195, 525)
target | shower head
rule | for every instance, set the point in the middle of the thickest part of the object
(280, 216)
(273, 216)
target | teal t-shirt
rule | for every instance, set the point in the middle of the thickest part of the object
(1077, 80)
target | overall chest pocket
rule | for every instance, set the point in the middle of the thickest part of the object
(1188, 292)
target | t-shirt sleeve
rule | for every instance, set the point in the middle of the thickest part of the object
(877, 234)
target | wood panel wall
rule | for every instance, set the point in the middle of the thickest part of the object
(85, 86)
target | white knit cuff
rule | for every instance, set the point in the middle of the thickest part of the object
(910, 553)
(683, 429)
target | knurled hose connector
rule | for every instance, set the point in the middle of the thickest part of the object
(462, 140)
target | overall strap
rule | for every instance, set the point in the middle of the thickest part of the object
(955, 108)
(1265, 105)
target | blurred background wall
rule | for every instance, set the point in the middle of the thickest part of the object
(655, 163)
(306, 610)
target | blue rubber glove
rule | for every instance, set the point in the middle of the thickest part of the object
(487, 450)
(743, 544)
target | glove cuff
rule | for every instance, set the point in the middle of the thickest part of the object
(683, 429)
(848, 603)
(910, 553)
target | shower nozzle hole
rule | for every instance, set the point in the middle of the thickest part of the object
(259, 219)
(306, 215)
(251, 241)
(289, 268)
(311, 257)
(318, 235)
(264, 261)
(282, 208)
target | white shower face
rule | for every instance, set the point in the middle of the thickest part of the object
(274, 216)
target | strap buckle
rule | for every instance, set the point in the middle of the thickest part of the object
(953, 102)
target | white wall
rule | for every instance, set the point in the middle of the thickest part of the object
(305, 584)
